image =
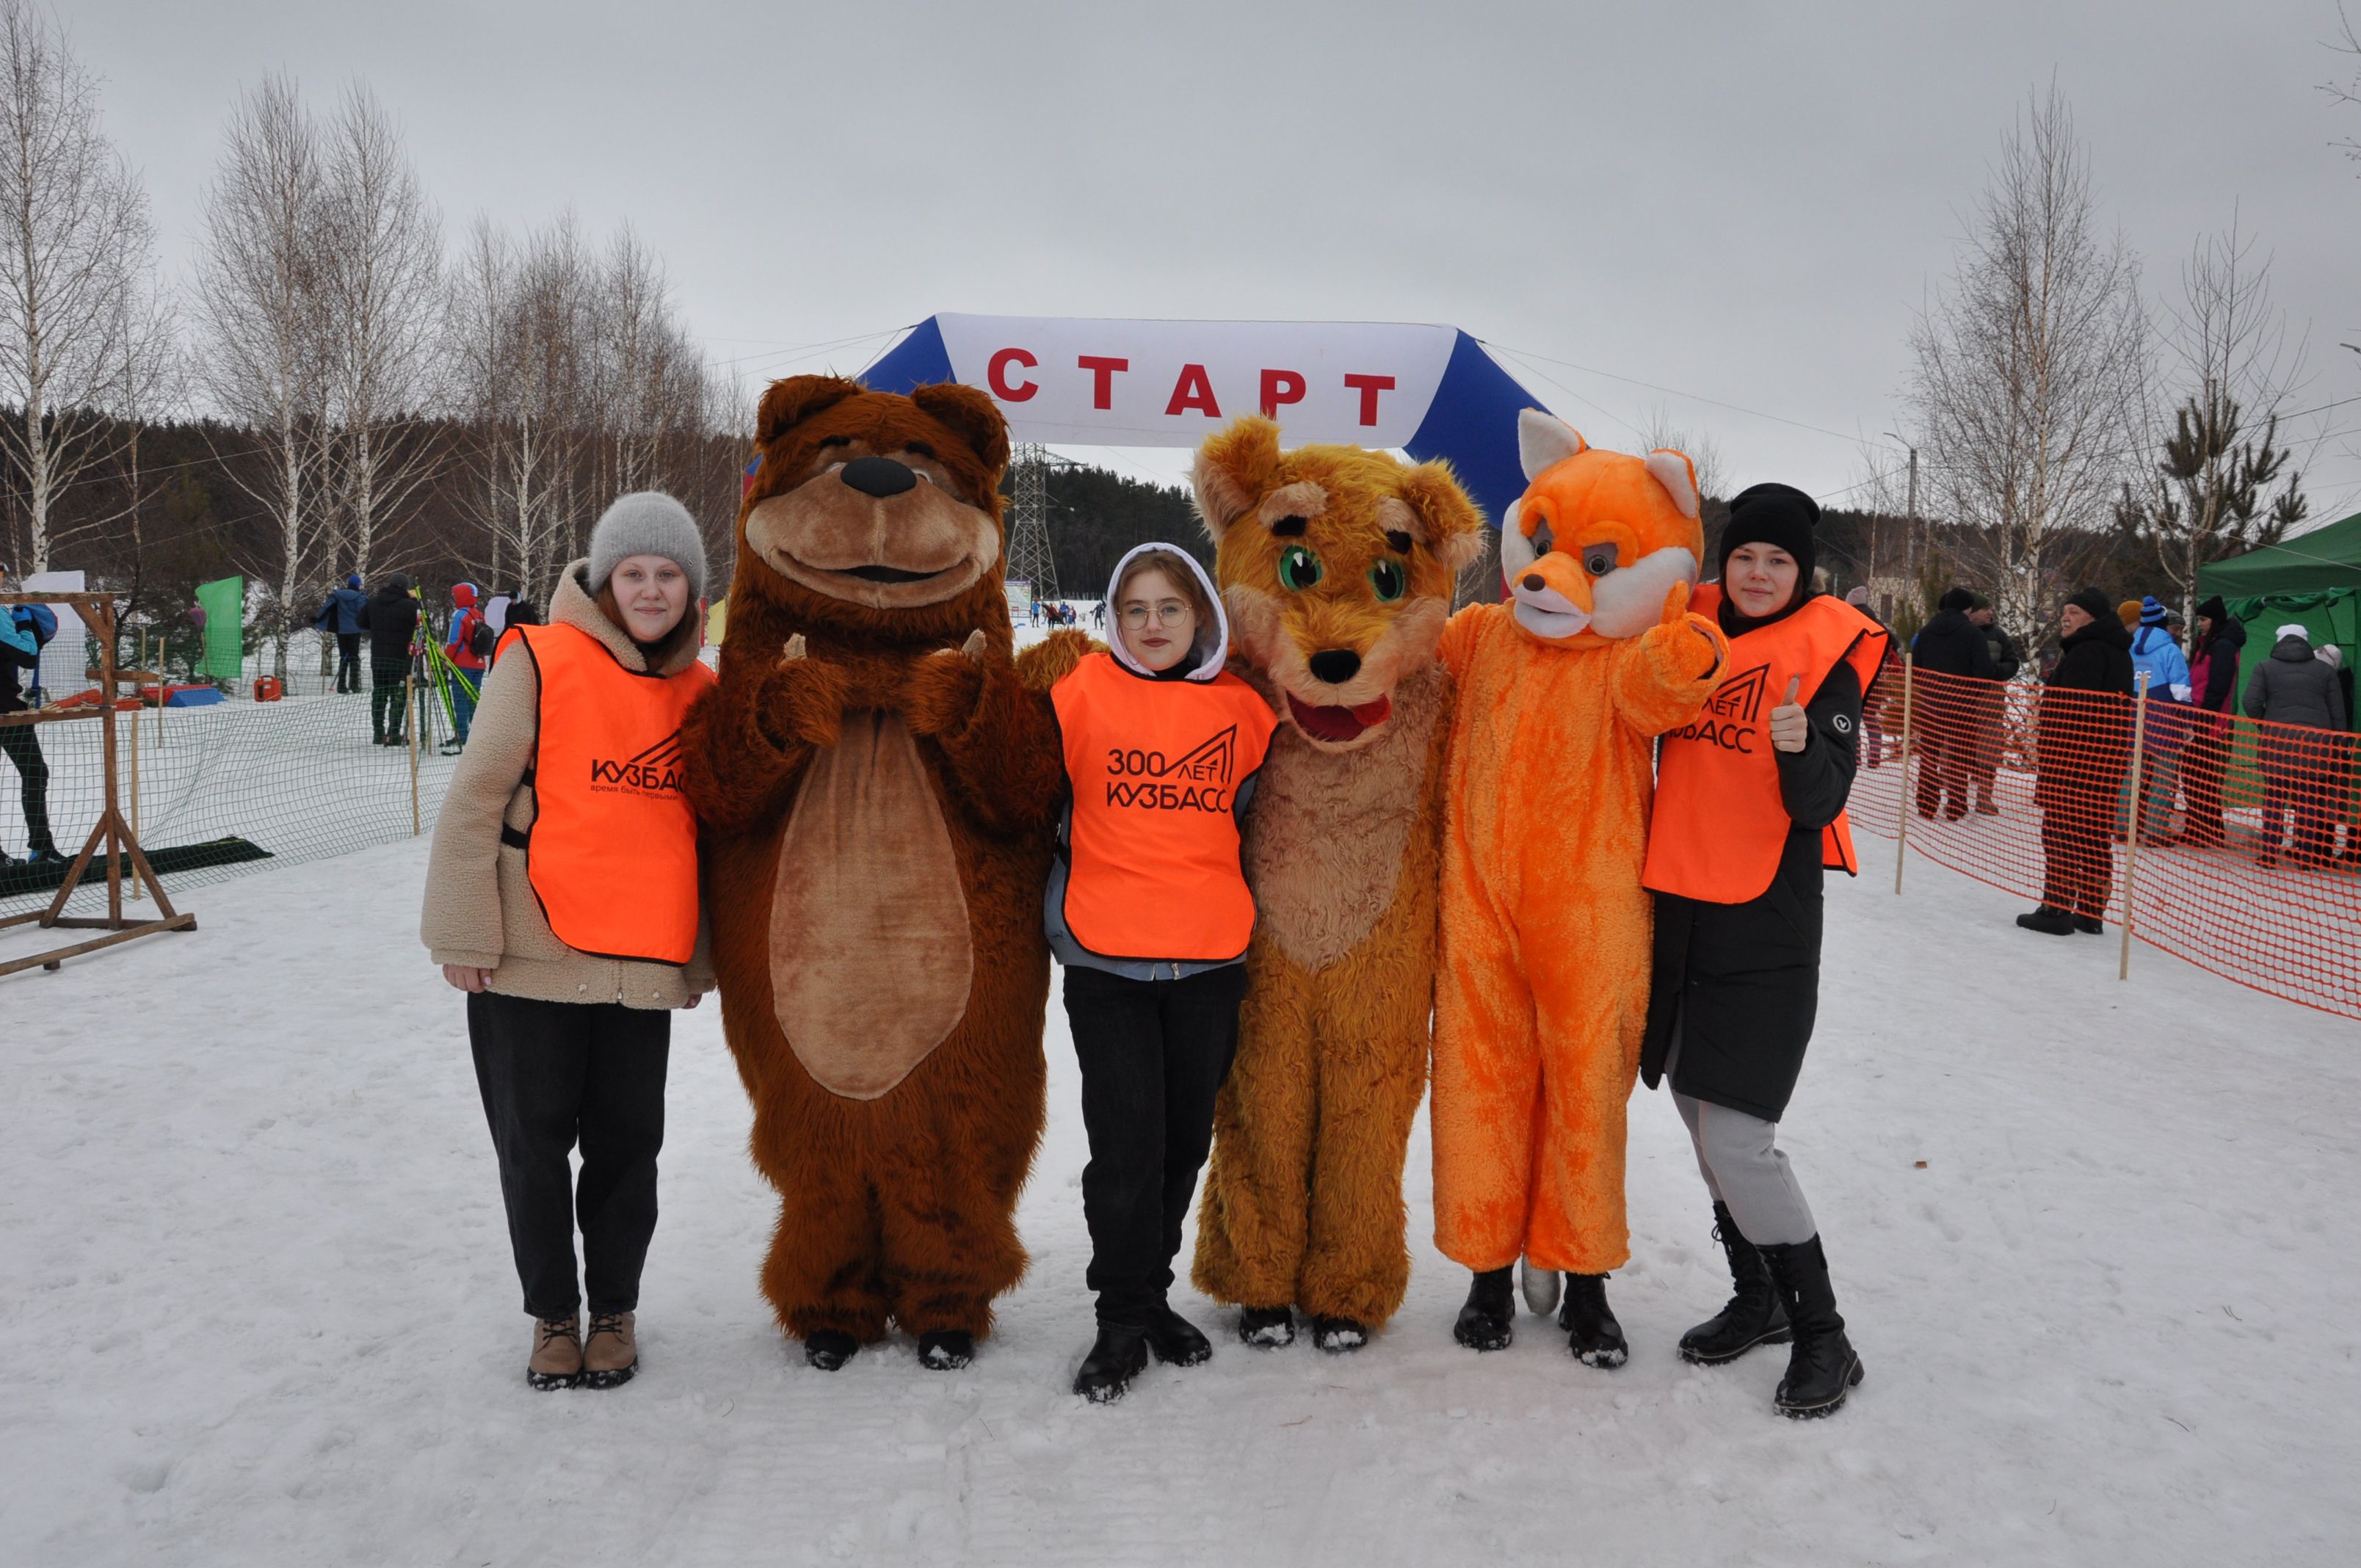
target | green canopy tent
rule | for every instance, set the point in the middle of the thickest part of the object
(2314, 579)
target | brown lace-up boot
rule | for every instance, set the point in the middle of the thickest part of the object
(612, 1353)
(557, 1353)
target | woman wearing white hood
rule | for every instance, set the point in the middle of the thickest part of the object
(1148, 911)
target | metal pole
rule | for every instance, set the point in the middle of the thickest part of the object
(1902, 771)
(407, 691)
(2132, 821)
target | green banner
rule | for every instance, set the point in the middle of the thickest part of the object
(224, 602)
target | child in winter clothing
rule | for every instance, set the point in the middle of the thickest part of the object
(2156, 652)
(1148, 910)
(465, 617)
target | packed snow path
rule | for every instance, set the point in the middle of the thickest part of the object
(257, 1304)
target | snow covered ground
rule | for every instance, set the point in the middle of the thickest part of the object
(257, 1304)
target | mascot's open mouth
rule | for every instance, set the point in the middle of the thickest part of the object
(1338, 724)
(886, 573)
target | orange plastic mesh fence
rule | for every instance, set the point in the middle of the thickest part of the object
(2248, 861)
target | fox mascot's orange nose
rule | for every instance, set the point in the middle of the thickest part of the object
(1602, 545)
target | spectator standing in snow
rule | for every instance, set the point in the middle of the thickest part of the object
(2156, 653)
(470, 653)
(391, 619)
(1991, 711)
(2342, 754)
(2085, 748)
(2294, 689)
(340, 617)
(2213, 688)
(571, 968)
(522, 612)
(23, 630)
(1738, 842)
(1148, 910)
(1944, 727)
(1098, 615)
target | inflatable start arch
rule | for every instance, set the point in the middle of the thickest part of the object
(1432, 392)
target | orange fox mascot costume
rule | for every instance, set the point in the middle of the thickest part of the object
(1543, 989)
(1336, 564)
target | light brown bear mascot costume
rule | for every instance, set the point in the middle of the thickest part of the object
(876, 785)
(1336, 566)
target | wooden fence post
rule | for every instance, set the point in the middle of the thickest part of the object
(410, 724)
(1902, 769)
(2132, 818)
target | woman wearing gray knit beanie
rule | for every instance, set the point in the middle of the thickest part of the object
(562, 896)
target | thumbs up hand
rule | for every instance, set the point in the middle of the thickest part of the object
(1790, 729)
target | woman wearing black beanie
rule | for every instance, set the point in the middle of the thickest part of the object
(1749, 810)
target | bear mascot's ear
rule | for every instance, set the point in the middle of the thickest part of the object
(1449, 526)
(788, 403)
(977, 419)
(1233, 470)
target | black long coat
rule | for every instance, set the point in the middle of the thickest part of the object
(1742, 982)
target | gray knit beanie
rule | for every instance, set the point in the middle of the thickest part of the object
(647, 522)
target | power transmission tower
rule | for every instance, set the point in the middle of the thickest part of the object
(1028, 525)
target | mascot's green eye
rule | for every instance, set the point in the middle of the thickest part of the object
(1389, 580)
(1299, 568)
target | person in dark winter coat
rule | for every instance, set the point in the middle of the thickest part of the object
(2293, 689)
(24, 628)
(1991, 712)
(2213, 689)
(1945, 727)
(2085, 748)
(1744, 824)
(341, 618)
(391, 619)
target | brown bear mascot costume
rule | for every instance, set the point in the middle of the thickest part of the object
(876, 785)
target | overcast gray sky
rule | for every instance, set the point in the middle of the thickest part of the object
(1723, 200)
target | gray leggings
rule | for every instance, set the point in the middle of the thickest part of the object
(1743, 1167)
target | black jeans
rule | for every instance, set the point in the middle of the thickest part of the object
(387, 703)
(348, 661)
(552, 1073)
(24, 749)
(1154, 1053)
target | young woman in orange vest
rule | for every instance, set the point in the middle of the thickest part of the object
(1148, 910)
(1749, 810)
(561, 897)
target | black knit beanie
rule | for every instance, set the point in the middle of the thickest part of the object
(2214, 610)
(2093, 603)
(1772, 514)
(1956, 599)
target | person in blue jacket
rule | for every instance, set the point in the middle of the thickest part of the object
(22, 631)
(2157, 652)
(341, 617)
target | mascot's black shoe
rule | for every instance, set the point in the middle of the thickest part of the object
(1338, 1336)
(1176, 1342)
(828, 1349)
(1755, 1315)
(1267, 1328)
(1591, 1331)
(1487, 1321)
(946, 1350)
(1116, 1357)
(1822, 1368)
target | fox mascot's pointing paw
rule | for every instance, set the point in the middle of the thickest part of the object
(1543, 989)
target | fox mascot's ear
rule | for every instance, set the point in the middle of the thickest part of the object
(787, 403)
(1543, 439)
(1678, 476)
(1233, 471)
(1449, 526)
(974, 415)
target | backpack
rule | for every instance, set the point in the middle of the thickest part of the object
(482, 639)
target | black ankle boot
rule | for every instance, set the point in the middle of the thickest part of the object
(1176, 1342)
(1267, 1328)
(1487, 1321)
(828, 1349)
(1591, 1331)
(1822, 1368)
(1116, 1357)
(946, 1350)
(1754, 1315)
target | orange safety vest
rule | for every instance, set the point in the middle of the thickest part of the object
(1718, 826)
(1152, 854)
(611, 853)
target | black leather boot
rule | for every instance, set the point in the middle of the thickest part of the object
(1267, 1328)
(1755, 1315)
(1176, 1342)
(1116, 1357)
(1591, 1331)
(828, 1349)
(1487, 1321)
(1822, 1368)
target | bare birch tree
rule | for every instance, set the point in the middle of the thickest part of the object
(76, 252)
(1703, 451)
(2026, 373)
(265, 357)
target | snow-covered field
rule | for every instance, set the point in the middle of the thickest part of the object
(257, 1306)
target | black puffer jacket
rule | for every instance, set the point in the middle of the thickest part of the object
(2085, 736)
(1951, 645)
(391, 619)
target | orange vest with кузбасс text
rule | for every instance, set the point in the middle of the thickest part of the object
(611, 853)
(1152, 856)
(1719, 826)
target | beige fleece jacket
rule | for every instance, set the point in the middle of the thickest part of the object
(480, 909)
